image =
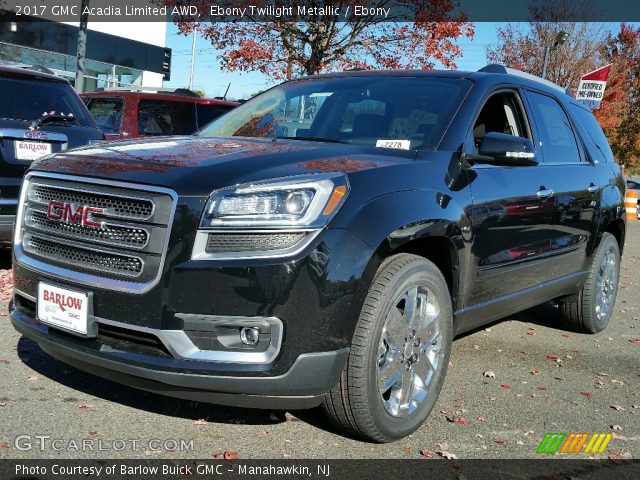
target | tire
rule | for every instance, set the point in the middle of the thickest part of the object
(357, 405)
(590, 310)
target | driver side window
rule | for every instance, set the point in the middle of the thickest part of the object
(501, 113)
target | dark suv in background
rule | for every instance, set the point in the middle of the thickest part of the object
(124, 114)
(40, 113)
(323, 243)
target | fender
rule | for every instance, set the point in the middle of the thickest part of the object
(389, 222)
(611, 209)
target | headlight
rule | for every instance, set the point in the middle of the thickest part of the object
(308, 201)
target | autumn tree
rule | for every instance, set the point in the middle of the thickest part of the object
(524, 48)
(619, 113)
(282, 48)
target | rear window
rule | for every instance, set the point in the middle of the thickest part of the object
(207, 113)
(29, 98)
(595, 141)
(160, 117)
(107, 112)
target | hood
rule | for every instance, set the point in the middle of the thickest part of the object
(197, 165)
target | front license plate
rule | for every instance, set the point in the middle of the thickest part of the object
(31, 150)
(63, 308)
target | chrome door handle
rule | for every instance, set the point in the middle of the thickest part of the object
(592, 188)
(544, 194)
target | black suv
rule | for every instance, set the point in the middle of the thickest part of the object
(324, 242)
(40, 113)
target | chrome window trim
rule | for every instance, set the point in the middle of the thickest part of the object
(82, 278)
(200, 244)
(8, 201)
(181, 347)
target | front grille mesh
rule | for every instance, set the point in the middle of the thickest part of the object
(111, 234)
(126, 241)
(136, 209)
(84, 258)
(244, 242)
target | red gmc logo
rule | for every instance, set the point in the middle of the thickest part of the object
(70, 213)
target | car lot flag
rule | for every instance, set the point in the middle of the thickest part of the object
(592, 85)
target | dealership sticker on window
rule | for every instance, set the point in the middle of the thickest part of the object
(401, 144)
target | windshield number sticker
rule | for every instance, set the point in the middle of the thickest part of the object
(401, 144)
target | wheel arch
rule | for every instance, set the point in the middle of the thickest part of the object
(419, 222)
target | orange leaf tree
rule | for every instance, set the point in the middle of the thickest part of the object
(281, 48)
(524, 49)
(619, 114)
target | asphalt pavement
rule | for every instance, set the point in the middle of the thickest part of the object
(507, 386)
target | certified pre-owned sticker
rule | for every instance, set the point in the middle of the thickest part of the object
(401, 144)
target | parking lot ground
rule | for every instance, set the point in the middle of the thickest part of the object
(507, 386)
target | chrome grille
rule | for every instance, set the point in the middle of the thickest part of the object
(84, 258)
(111, 234)
(126, 239)
(135, 209)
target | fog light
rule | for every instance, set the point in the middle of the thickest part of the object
(249, 336)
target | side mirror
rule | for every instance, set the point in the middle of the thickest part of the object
(505, 150)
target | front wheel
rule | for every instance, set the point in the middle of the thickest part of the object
(399, 354)
(590, 310)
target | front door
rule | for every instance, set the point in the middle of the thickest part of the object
(512, 210)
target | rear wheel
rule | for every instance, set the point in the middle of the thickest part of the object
(590, 310)
(399, 354)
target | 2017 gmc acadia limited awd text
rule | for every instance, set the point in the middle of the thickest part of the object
(324, 242)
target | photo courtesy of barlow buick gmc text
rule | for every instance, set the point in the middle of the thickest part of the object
(265, 241)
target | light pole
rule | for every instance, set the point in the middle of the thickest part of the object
(193, 59)
(561, 37)
(82, 47)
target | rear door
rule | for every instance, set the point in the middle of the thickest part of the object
(511, 216)
(573, 179)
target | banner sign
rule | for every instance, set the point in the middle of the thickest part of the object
(592, 85)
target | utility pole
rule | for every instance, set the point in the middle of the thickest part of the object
(193, 59)
(82, 46)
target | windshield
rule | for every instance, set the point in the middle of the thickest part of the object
(409, 112)
(27, 99)
(107, 112)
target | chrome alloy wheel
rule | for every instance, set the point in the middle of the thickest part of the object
(606, 282)
(410, 351)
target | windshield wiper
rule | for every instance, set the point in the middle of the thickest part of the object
(53, 118)
(310, 139)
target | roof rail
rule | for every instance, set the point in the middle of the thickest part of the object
(27, 66)
(497, 68)
(133, 88)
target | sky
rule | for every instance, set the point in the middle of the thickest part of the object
(209, 78)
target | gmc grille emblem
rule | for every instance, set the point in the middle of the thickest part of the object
(73, 214)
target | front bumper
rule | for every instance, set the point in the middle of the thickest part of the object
(302, 386)
(317, 296)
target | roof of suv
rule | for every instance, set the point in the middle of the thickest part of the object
(9, 71)
(492, 74)
(174, 97)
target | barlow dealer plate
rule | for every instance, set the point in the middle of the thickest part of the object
(66, 309)
(31, 150)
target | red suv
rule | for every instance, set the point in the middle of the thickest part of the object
(128, 114)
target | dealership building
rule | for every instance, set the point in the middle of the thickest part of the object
(116, 53)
